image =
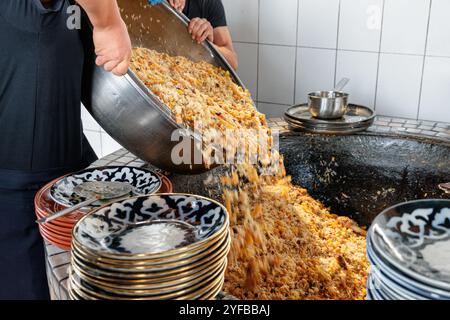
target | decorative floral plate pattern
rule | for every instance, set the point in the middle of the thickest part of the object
(415, 238)
(143, 181)
(118, 228)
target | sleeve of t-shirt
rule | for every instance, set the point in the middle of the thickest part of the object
(216, 13)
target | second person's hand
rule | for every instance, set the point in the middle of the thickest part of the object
(200, 30)
(178, 4)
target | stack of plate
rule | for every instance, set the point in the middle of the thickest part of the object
(57, 195)
(165, 246)
(408, 246)
(57, 232)
(357, 118)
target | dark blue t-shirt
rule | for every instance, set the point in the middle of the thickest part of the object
(211, 10)
(41, 62)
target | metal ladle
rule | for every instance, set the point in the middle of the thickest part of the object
(93, 191)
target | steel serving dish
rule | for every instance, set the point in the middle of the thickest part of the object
(123, 106)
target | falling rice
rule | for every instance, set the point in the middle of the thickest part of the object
(285, 244)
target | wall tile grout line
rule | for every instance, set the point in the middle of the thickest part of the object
(319, 48)
(410, 54)
(379, 56)
(345, 50)
(437, 56)
(258, 52)
(277, 45)
(336, 50)
(424, 60)
(296, 52)
(275, 103)
(246, 42)
(89, 129)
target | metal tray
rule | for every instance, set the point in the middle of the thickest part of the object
(358, 118)
(355, 115)
(123, 106)
(335, 131)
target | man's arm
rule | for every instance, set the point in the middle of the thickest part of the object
(224, 43)
(111, 39)
(201, 29)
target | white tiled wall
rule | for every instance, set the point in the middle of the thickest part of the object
(395, 69)
(243, 17)
(405, 26)
(319, 23)
(361, 68)
(321, 63)
(248, 65)
(276, 74)
(360, 24)
(396, 52)
(439, 32)
(434, 102)
(284, 31)
(100, 141)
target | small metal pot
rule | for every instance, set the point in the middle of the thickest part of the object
(328, 104)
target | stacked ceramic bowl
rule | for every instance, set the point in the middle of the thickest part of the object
(58, 195)
(408, 246)
(357, 118)
(164, 246)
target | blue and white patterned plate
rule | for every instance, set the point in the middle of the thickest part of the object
(162, 225)
(414, 237)
(144, 182)
(400, 286)
(403, 286)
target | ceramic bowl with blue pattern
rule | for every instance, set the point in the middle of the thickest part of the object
(147, 227)
(409, 245)
(143, 182)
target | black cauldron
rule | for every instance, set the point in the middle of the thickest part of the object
(358, 175)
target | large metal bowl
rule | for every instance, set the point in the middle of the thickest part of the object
(123, 106)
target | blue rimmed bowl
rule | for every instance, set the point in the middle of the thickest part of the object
(143, 182)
